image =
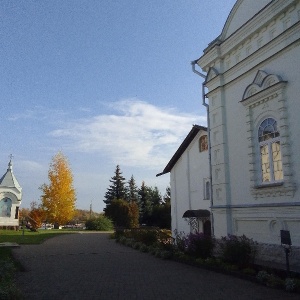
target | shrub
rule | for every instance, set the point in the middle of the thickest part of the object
(290, 284)
(200, 261)
(137, 245)
(165, 240)
(238, 250)
(275, 281)
(122, 213)
(129, 242)
(199, 245)
(146, 236)
(230, 267)
(144, 248)
(101, 223)
(121, 240)
(249, 271)
(262, 276)
(179, 240)
(157, 253)
(152, 250)
(166, 254)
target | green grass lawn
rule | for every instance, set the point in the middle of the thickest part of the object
(29, 237)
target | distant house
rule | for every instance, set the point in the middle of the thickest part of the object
(10, 200)
(252, 79)
(190, 187)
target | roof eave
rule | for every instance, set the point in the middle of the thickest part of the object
(189, 138)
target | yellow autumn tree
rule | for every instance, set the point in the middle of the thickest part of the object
(59, 197)
(36, 216)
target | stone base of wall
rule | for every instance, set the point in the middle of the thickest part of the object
(274, 255)
(9, 227)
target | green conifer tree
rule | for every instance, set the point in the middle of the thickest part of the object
(133, 195)
(167, 195)
(117, 189)
(145, 204)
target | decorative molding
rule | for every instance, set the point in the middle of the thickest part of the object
(265, 96)
(267, 205)
(261, 82)
(259, 27)
(212, 73)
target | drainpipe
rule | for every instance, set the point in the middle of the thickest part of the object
(193, 63)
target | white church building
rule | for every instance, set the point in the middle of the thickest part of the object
(251, 88)
(10, 199)
(190, 185)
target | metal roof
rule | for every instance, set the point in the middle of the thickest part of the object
(189, 138)
(197, 213)
(9, 179)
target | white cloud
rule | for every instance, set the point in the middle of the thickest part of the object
(37, 113)
(138, 134)
(31, 166)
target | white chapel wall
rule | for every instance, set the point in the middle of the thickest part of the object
(187, 184)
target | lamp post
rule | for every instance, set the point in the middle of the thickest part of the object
(23, 232)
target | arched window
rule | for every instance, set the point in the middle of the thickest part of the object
(203, 144)
(270, 151)
(5, 207)
(207, 190)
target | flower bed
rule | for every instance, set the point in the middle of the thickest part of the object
(236, 255)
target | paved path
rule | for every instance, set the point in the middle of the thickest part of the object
(91, 266)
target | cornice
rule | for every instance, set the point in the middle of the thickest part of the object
(260, 205)
(264, 95)
(253, 61)
(265, 17)
(247, 31)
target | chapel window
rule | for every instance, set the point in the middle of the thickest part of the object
(270, 151)
(5, 207)
(203, 144)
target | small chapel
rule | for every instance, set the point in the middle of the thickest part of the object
(10, 199)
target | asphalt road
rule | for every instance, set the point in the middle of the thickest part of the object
(91, 266)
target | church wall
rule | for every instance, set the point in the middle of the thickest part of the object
(260, 225)
(240, 207)
(187, 181)
(237, 128)
(179, 195)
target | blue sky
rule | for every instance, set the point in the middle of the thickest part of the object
(105, 82)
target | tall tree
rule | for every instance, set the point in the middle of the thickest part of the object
(167, 195)
(155, 196)
(145, 204)
(117, 189)
(59, 197)
(122, 213)
(133, 195)
(161, 214)
(36, 215)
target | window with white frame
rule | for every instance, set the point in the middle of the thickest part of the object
(268, 140)
(270, 152)
(206, 189)
(203, 143)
